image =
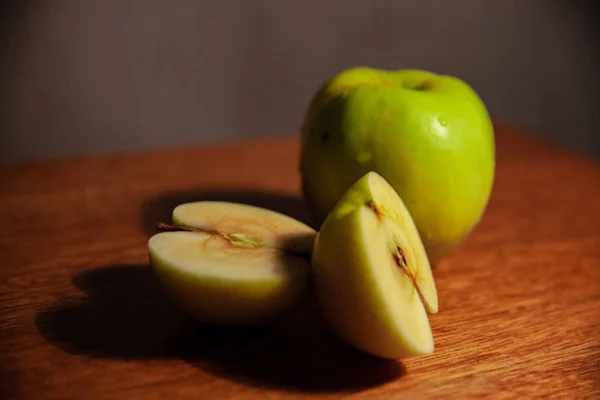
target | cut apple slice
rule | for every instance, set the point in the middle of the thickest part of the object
(232, 264)
(371, 273)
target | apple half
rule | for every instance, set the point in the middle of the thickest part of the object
(232, 264)
(371, 273)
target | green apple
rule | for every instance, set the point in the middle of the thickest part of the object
(371, 274)
(428, 135)
(232, 264)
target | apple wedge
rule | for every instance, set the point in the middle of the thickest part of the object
(371, 273)
(232, 264)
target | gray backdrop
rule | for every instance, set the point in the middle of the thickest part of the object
(81, 77)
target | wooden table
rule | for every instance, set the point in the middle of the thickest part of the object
(81, 316)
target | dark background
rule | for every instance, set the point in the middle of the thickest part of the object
(81, 77)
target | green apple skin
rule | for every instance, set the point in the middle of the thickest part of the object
(429, 135)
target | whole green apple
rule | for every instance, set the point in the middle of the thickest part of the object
(430, 136)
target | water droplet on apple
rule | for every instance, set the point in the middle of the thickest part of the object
(443, 121)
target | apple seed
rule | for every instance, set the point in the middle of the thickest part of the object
(400, 260)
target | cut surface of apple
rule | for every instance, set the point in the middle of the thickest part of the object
(232, 264)
(371, 273)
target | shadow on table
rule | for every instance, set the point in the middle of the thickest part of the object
(127, 316)
(159, 209)
(8, 375)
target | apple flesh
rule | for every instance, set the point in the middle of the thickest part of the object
(274, 229)
(428, 135)
(232, 264)
(371, 273)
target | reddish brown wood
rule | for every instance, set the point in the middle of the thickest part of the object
(81, 316)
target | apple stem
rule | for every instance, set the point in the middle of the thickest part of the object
(164, 227)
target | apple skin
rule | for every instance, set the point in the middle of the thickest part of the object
(430, 136)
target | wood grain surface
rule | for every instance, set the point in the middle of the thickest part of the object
(81, 316)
